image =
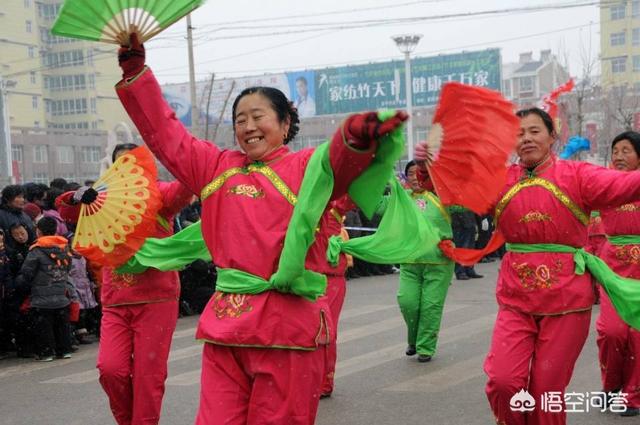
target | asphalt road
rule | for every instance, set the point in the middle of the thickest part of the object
(375, 382)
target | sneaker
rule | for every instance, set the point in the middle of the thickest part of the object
(462, 276)
(475, 275)
(65, 356)
(411, 350)
(325, 395)
(424, 358)
(44, 358)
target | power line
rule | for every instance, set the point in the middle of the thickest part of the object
(363, 61)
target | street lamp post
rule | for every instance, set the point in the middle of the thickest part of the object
(406, 43)
(5, 134)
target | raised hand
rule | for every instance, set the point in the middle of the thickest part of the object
(131, 58)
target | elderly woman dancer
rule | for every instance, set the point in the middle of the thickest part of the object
(261, 360)
(544, 304)
(618, 343)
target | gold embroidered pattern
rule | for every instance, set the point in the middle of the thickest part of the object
(533, 216)
(628, 208)
(122, 280)
(546, 184)
(231, 305)
(436, 201)
(628, 254)
(247, 190)
(336, 215)
(540, 277)
(252, 168)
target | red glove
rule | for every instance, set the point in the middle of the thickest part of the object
(131, 58)
(362, 129)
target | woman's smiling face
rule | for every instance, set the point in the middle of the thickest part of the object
(257, 127)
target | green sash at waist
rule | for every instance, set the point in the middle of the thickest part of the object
(239, 282)
(624, 240)
(623, 292)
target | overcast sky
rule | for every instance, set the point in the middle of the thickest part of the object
(561, 30)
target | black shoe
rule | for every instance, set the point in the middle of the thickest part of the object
(475, 275)
(325, 395)
(424, 358)
(462, 276)
(411, 350)
(631, 411)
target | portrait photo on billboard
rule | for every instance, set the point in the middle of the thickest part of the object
(302, 89)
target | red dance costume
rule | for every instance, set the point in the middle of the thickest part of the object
(618, 343)
(139, 316)
(544, 306)
(261, 360)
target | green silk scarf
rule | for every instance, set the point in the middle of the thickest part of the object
(176, 252)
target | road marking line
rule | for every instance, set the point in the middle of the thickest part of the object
(447, 335)
(185, 379)
(367, 309)
(383, 325)
(442, 379)
(92, 375)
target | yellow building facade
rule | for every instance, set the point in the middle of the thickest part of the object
(54, 82)
(620, 43)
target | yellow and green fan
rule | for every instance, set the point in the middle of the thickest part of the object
(115, 225)
(111, 21)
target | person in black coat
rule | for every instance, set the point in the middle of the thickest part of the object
(11, 213)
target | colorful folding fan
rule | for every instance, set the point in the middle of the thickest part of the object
(112, 21)
(113, 227)
(477, 130)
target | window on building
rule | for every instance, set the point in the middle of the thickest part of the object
(27, 25)
(34, 102)
(40, 178)
(617, 38)
(31, 51)
(32, 77)
(17, 153)
(92, 81)
(506, 88)
(635, 36)
(40, 154)
(27, 4)
(619, 65)
(91, 154)
(618, 11)
(636, 63)
(36, 124)
(94, 106)
(635, 9)
(65, 154)
(526, 84)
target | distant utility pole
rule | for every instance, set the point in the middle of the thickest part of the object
(206, 126)
(6, 166)
(192, 79)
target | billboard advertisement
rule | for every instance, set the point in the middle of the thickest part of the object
(346, 89)
(382, 85)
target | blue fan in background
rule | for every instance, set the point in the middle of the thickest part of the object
(574, 145)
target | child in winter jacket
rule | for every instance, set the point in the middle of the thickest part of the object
(85, 288)
(46, 272)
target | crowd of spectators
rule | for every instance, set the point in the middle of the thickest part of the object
(50, 294)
